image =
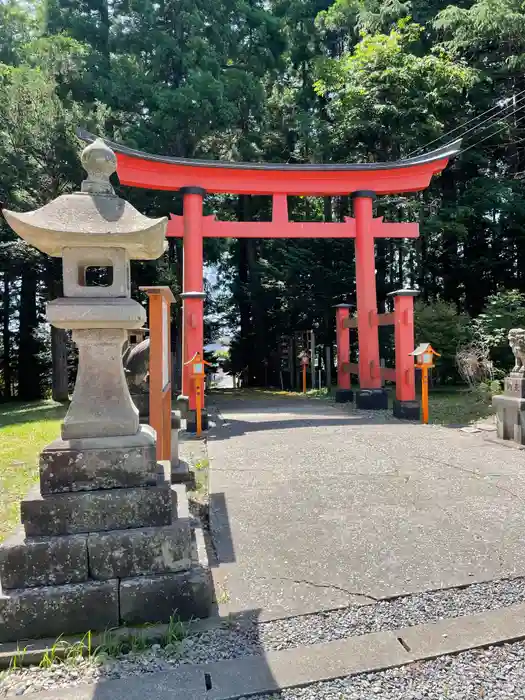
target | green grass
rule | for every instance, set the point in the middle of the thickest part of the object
(112, 644)
(459, 406)
(24, 430)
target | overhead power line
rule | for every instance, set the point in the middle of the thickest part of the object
(476, 143)
(498, 109)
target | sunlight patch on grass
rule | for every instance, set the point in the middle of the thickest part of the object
(25, 429)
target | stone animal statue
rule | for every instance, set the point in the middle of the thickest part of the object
(136, 367)
(517, 345)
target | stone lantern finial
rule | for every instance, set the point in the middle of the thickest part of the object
(100, 162)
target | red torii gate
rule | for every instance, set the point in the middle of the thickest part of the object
(194, 178)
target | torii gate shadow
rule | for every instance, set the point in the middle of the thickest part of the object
(229, 428)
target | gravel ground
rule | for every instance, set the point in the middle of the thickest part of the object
(236, 640)
(496, 673)
(388, 615)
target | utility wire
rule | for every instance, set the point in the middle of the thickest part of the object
(507, 143)
(510, 114)
(513, 101)
(476, 143)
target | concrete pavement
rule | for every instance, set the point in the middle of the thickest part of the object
(315, 507)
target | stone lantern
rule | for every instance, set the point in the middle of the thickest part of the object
(106, 539)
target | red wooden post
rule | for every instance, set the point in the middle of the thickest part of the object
(160, 300)
(405, 404)
(370, 393)
(193, 294)
(344, 392)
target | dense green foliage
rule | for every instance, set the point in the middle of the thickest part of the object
(276, 80)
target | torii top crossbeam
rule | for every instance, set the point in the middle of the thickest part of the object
(139, 169)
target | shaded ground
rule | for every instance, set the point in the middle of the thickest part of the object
(447, 405)
(24, 430)
(315, 507)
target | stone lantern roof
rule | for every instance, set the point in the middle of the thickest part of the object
(95, 216)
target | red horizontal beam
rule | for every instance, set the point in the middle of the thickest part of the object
(137, 171)
(382, 320)
(287, 229)
(387, 373)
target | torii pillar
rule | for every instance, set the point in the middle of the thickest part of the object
(344, 393)
(370, 394)
(192, 300)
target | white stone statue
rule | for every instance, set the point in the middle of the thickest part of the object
(517, 345)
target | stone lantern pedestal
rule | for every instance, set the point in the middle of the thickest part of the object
(106, 538)
(510, 409)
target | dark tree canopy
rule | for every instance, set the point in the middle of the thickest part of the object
(275, 80)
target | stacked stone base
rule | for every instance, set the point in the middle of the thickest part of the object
(371, 399)
(106, 540)
(344, 395)
(510, 409)
(191, 420)
(407, 410)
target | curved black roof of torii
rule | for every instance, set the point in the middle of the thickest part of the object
(446, 151)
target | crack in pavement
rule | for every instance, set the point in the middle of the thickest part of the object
(321, 585)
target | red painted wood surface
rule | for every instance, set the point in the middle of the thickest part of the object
(381, 320)
(288, 229)
(138, 171)
(192, 308)
(387, 373)
(365, 283)
(343, 346)
(159, 390)
(404, 345)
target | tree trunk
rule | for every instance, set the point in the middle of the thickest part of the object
(59, 372)
(6, 339)
(59, 338)
(28, 363)
(449, 260)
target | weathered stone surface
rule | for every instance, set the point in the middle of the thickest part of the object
(191, 420)
(97, 511)
(127, 553)
(515, 386)
(51, 611)
(344, 395)
(101, 405)
(180, 473)
(141, 401)
(75, 262)
(118, 462)
(25, 563)
(406, 410)
(175, 420)
(371, 399)
(102, 219)
(182, 404)
(510, 418)
(156, 598)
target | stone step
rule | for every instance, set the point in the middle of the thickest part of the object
(98, 511)
(91, 464)
(129, 553)
(50, 561)
(52, 611)
(150, 599)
